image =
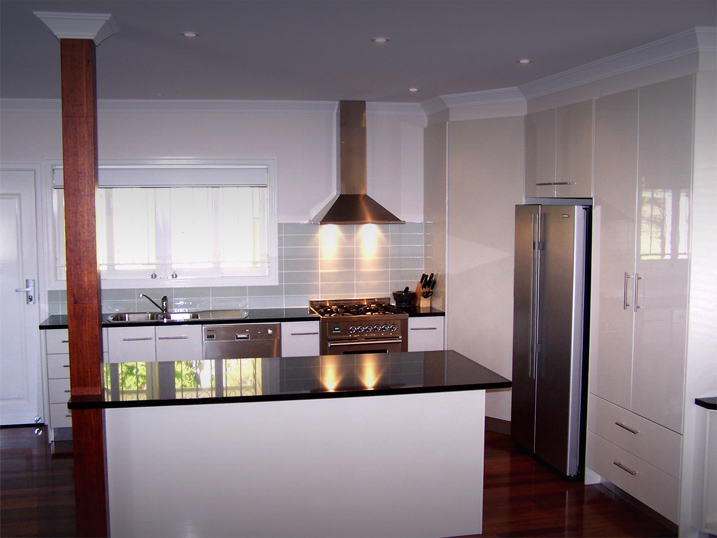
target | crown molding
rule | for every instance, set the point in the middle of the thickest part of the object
(94, 26)
(681, 45)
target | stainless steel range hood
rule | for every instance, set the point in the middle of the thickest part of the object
(352, 205)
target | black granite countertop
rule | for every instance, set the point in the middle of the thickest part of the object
(709, 402)
(253, 315)
(147, 384)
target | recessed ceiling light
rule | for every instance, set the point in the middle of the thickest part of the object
(525, 61)
(414, 90)
(380, 40)
(190, 34)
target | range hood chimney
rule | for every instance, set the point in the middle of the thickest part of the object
(352, 205)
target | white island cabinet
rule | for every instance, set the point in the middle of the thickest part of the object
(341, 445)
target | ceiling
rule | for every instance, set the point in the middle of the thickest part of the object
(310, 50)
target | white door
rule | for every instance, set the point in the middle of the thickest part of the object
(20, 379)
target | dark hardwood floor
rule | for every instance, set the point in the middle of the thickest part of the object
(522, 497)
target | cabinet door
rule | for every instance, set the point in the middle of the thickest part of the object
(131, 344)
(425, 333)
(179, 342)
(665, 172)
(300, 339)
(540, 169)
(614, 218)
(574, 175)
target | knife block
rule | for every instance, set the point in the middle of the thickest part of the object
(422, 304)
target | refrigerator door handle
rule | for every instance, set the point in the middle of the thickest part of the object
(625, 304)
(535, 297)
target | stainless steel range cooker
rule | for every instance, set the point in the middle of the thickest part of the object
(361, 326)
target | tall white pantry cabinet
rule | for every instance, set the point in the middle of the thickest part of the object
(642, 200)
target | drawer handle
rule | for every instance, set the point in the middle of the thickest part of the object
(67, 391)
(65, 341)
(137, 339)
(626, 469)
(628, 428)
(304, 334)
(65, 365)
(172, 337)
(424, 328)
(553, 183)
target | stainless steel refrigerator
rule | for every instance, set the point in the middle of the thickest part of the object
(551, 286)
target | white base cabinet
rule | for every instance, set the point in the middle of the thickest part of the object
(425, 333)
(57, 367)
(300, 339)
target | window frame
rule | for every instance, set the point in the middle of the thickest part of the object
(272, 276)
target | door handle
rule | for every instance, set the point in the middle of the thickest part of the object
(29, 289)
(625, 304)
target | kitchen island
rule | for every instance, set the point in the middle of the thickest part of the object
(341, 445)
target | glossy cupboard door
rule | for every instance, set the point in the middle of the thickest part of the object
(643, 155)
(662, 265)
(614, 229)
(540, 154)
(574, 161)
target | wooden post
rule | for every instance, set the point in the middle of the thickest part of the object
(79, 155)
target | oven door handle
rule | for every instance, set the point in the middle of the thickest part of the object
(364, 342)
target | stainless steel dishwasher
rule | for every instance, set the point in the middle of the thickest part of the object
(241, 341)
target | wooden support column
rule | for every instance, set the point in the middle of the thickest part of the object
(79, 155)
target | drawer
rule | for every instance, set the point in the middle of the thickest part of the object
(646, 483)
(645, 439)
(132, 344)
(425, 333)
(56, 341)
(58, 366)
(60, 416)
(59, 390)
(179, 342)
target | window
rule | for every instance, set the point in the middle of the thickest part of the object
(187, 224)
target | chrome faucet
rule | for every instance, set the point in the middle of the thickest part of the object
(163, 308)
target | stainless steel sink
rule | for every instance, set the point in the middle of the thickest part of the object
(152, 316)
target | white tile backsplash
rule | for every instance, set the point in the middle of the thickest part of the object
(313, 264)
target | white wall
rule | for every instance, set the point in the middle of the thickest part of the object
(485, 181)
(300, 136)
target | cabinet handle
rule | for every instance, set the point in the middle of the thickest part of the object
(65, 365)
(625, 304)
(424, 328)
(626, 469)
(636, 306)
(171, 338)
(628, 428)
(553, 183)
(137, 339)
(304, 334)
(65, 341)
(67, 391)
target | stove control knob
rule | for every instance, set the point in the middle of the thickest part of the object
(368, 329)
(377, 328)
(352, 329)
(385, 328)
(365, 329)
(393, 327)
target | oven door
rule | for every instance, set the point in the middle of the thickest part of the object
(350, 347)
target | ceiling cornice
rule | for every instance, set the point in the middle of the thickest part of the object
(674, 47)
